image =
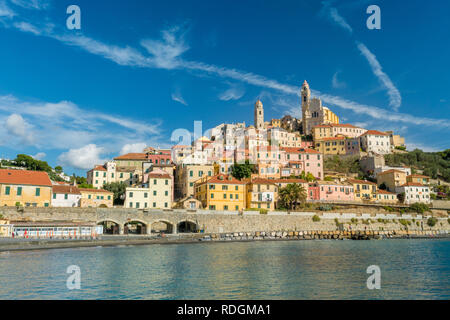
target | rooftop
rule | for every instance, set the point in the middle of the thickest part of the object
(25, 177)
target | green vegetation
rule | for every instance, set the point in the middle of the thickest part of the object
(431, 221)
(400, 148)
(419, 207)
(434, 164)
(261, 211)
(327, 178)
(118, 188)
(292, 195)
(354, 220)
(18, 204)
(29, 163)
(401, 197)
(405, 222)
(325, 207)
(448, 220)
(315, 218)
(383, 186)
(243, 170)
(418, 224)
(344, 165)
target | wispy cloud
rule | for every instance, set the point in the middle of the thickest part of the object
(395, 99)
(27, 27)
(233, 93)
(176, 96)
(336, 83)
(6, 11)
(32, 4)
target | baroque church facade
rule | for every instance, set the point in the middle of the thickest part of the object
(313, 112)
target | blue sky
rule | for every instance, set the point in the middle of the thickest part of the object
(137, 70)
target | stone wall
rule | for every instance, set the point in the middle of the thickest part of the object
(226, 221)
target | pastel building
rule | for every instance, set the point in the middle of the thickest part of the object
(418, 178)
(66, 196)
(155, 193)
(24, 187)
(94, 198)
(330, 191)
(377, 142)
(186, 176)
(386, 197)
(364, 190)
(298, 160)
(336, 130)
(415, 192)
(261, 194)
(391, 179)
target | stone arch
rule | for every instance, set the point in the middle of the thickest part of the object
(110, 226)
(155, 226)
(187, 226)
(136, 226)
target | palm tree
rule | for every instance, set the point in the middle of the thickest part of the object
(291, 195)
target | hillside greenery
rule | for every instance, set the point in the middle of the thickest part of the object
(433, 164)
(343, 165)
(29, 163)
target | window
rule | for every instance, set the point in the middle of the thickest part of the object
(191, 173)
(54, 196)
(89, 196)
(154, 181)
(167, 182)
(212, 207)
(19, 191)
(165, 205)
(212, 195)
(137, 205)
(38, 192)
(109, 197)
(46, 204)
(154, 193)
(96, 174)
(225, 207)
(237, 207)
(236, 188)
(131, 204)
(145, 195)
(104, 174)
(166, 193)
(66, 196)
(154, 204)
(7, 190)
(224, 195)
(131, 194)
(237, 197)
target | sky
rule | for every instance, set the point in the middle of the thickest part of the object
(138, 70)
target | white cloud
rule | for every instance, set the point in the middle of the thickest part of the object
(19, 128)
(27, 27)
(233, 93)
(176, 96)
(32, 4)
(39, 155)
(5, 11)
(133, 148)
(336, 83)
(395, 99)
(83, 158)
(340, 20)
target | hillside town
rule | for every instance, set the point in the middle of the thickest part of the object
(239, 167)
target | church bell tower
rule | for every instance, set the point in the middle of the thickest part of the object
(305, 94)
(259, 115)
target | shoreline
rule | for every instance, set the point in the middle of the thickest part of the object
(40, 244)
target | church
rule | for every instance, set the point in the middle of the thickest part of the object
(313, 113)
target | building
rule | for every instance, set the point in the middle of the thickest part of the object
(221, 192)
(386, 197)
(275, 123)
(261, 194)
(296, 160)
(267, 160)
(375, 142)
(187, 175)
(414, 192)
(110, 172)
(330, 191)
(313, 113)
(259, 115)
(364, 190)
(391, 179)
(418, 178)
(155, 193)
(65, 196)
(336, 130)
(25, 188)
(93, 198)
(282, 138)
(396, 140)
(189, 203)
(6, 228)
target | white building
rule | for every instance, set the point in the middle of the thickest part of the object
(373, 141)
(65, 196)
(414, 192)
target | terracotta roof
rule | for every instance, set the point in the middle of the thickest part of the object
(391, 171)
(418, 176)
(334, 183)
(268, 148)
(66, 189)
(99, 168)
(375, 132)
(412, 184)
(260, 181)
(132, 156)
(94, 190)
(385, 192)
(300, 150)
(289, 181)
(361, 181)
(331, 138)
(223, 179)
(25, 177)
(159, 175)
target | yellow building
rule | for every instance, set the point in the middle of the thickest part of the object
(5, 228)
(364, 190)
(276, 123)
(386, 197)
(221, 192)
(93, 198)
(331, 146)
(418, 178)
(156, 192)
(187, 175)
(261, 194)
(25, 188)
(391, 179)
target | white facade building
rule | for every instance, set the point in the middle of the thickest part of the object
(377, 142)
(65, 196)
(414, 192)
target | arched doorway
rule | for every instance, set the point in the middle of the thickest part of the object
(109, 227)
(187, 226)
(135, 227)
(162, 226)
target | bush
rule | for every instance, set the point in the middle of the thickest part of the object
(419, 207)
(418, 224)
(18, 204)
(354, 220)
(315, 218)
(448, 220)
(325, 208)
(431, 221)
(403, 222)
(263, 211)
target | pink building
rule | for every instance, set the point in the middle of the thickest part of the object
(330, 191)
(300, 159)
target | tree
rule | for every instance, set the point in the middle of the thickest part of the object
(383, 186)
(291, 195)
(58, 169)
(401, 197)
(119, 189)
(243, 170)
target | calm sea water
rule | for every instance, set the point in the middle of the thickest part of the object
(410, 269)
